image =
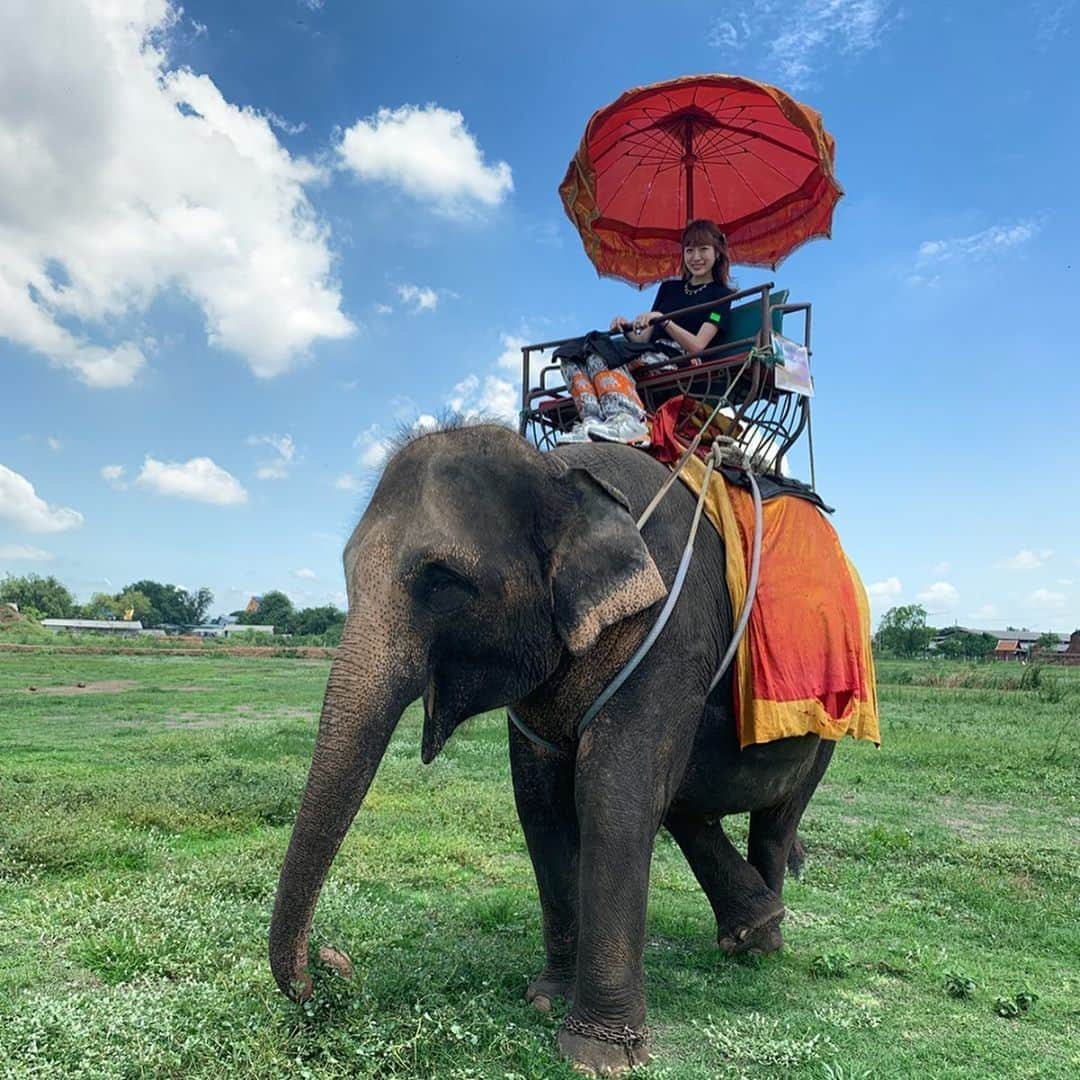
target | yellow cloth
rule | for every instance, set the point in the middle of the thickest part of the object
(805, 663)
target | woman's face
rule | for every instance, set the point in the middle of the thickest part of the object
(699, 259)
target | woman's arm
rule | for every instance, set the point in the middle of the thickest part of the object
(690, 342)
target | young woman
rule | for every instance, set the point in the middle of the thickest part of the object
(606, 400)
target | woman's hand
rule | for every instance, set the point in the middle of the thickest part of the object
(620, 325)
(646, 319)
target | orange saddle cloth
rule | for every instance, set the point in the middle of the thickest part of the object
(805, 663)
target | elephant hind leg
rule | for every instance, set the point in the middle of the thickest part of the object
(747, 911)
(773, 844)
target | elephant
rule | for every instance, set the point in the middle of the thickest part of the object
(485, 573)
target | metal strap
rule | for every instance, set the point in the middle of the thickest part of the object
(531, 735)
(665, 614)
(673, 597)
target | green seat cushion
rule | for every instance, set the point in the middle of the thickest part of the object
(745, 321)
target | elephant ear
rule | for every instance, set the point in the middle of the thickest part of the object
(600, 569)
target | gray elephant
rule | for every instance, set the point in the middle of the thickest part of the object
(487, 574)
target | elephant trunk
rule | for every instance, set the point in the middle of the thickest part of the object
(364, 699)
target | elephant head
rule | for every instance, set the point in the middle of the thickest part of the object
(478, 564)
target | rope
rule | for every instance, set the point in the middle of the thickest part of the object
(669, 606)
(724, 450)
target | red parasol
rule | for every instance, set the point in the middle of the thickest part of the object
(739, 152)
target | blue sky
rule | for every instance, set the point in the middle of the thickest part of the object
(241, 243)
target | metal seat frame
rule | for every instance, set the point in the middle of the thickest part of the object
(733, 370)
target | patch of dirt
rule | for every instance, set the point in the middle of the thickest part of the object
(109, 686)
(977, 820)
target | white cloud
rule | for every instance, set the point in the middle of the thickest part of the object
(286, 127)
(22, 507)
(978, 247)
(275, 468)
(940, 598)
(114, 474)
(726, 35)
(421, 297)
(1025, 560)
(885, 592)
(942, 568)
(1046, 600)
(428, 153)
(125, 179)
(799, 38)
(198, 479)
(373, 444)
(198, 27)
(313, 5)
(24, 553)
(54, 443)
(305, 573)
(987, 611)
(510, 358)
(345, 482)
(383, 309)
(491, 397)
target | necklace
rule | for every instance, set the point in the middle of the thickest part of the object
(693, 290)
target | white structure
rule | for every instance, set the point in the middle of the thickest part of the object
(239, 628)
(94, 626)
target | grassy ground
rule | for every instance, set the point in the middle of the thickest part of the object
(145, 818)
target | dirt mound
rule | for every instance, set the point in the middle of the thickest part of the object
(9, 615)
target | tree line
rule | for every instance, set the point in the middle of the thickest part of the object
(155, 605)
(903, 631)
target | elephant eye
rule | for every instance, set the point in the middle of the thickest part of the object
(441, 589)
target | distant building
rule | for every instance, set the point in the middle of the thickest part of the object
(115, 627)
(1010, 649)
(1011, 644)
(220, 628)
(238, 628)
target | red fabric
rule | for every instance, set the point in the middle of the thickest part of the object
(673, 427)
(760, 165)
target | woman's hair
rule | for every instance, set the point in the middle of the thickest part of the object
(702, 231)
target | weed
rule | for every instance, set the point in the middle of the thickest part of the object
(830, 965)
(958, 986)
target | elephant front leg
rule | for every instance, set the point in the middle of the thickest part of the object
(544, 794)
(605, 1030)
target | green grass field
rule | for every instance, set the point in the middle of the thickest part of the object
(144, 819)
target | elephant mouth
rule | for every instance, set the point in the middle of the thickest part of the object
(436, 729)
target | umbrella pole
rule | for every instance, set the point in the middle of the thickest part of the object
(688, 166)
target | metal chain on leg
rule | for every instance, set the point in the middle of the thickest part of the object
(627, 1037)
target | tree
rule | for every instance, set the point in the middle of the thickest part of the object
(1048, 642)
(46, 595)
(903, 631)
(275, 610)
(964, 645)
(317, 620)
(169, 604)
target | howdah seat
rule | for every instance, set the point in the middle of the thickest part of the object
(740, 370)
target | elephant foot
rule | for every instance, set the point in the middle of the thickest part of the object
(545, 988)
(759, 939)
(601, 1051)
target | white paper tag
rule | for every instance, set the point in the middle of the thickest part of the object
(794, 373)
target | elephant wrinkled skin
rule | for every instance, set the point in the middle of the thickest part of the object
(486, 574)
